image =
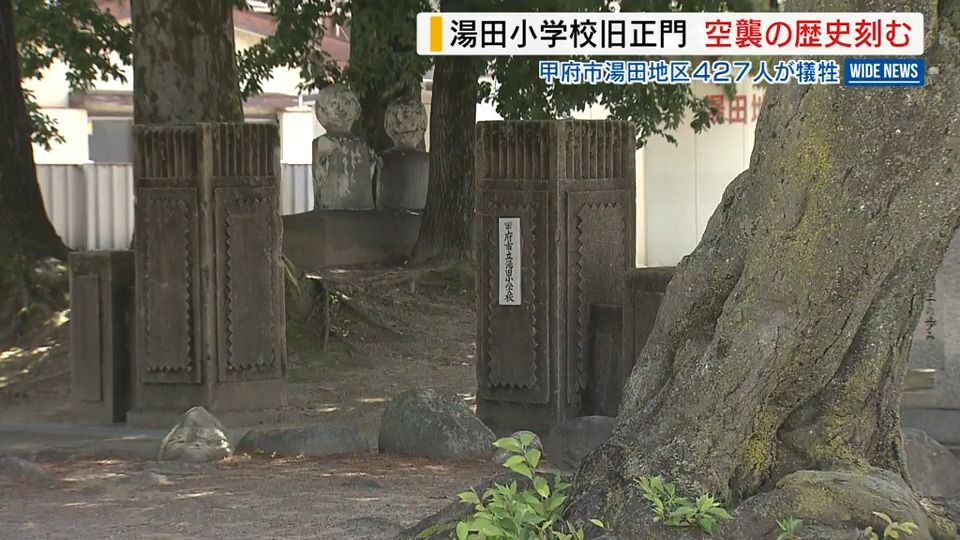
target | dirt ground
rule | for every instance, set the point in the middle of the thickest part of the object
(241, 498)
(390, 331)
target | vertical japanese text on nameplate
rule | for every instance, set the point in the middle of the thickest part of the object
(510, 264)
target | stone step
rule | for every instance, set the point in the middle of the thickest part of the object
(955, 448)
(919, 379)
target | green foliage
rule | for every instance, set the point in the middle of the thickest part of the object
(676, 511)
(91, 43)
(789, 528)
(385, 63)
(383, 34)
(653, 109)
(384, 59)
(295, 44)
(509, 513)
(892, 529)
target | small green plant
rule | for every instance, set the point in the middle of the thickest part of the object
(509, 513)
(892, 530)
(789, 528)
(676, 511)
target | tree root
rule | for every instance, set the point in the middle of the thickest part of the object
(838, 504)
(365, 315)
(833, 505)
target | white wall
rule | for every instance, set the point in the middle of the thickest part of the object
(296, 135)
(683, 183)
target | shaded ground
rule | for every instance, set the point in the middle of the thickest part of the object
(241, 498)
(391, 331)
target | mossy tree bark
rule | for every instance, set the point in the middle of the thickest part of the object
(782, 340)
(26, 235)
(184, 62)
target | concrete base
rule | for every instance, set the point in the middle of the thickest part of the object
(404, 180)
(349, 238)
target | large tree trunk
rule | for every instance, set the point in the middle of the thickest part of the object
(184, 62)
(782, 340)
(446, 232)
(26, 235)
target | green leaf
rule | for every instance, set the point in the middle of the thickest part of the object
(513, 461)
(462, 530)
(509, 443)
(470, 497)
(541, 486)
(719, 512)
(526, 438)
(597, 523)
(555, 501)
(533, 456)
(522, 469)
(884, 517)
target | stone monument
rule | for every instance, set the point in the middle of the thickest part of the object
(555, 210)
(934, 405)
(405, 169)
(209, 282)
(344, 166)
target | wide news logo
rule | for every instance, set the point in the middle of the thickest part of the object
(691, 35)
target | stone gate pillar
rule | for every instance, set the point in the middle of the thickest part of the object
(209, 282)
(555, 232)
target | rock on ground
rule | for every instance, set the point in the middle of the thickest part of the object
(834, 505)
(310, 441)
(197, 437)
(568, 442)
(426, 423)
(21, 470)
(934, 470)
(502, 454)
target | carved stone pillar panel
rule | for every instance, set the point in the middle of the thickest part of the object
(555, 211)
(209, 295)
(101, 305)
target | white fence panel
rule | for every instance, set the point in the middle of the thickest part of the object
(296, 188)
(109, 206)
(91, 205)
(64, 198)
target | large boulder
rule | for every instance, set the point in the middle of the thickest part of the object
(309, 441)
(427, 423)
(568, 442)
(934, 470)
(197, 437)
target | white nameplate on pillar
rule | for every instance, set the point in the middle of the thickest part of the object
(510, 265)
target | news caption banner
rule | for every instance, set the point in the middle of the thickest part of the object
(888, 39)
